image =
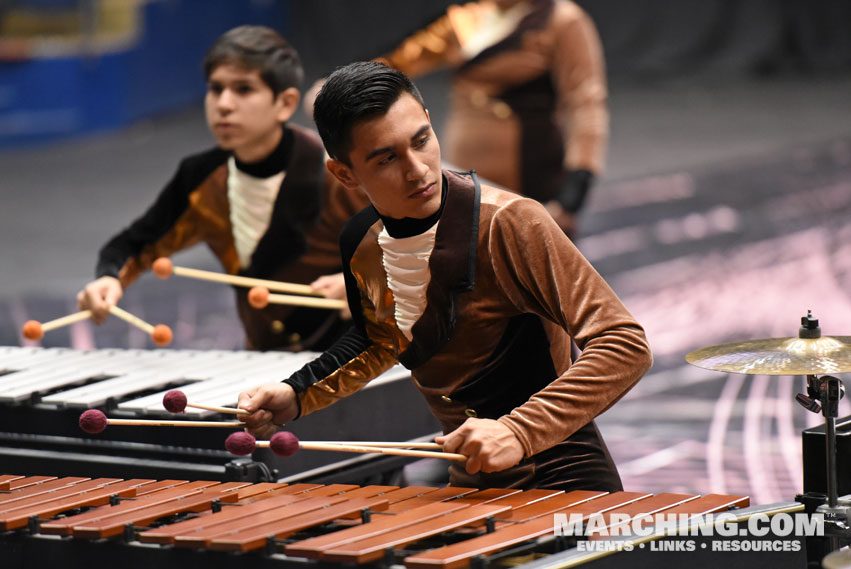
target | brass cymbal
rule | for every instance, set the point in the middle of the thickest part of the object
(837, 560)
(778, 356)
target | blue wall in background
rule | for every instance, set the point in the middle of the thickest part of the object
(47, 99)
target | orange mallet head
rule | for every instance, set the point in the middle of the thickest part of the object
(32, 330)
(258, 297)
(161, 335)
(162, 267)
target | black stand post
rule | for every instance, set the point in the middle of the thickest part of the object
(823, 394)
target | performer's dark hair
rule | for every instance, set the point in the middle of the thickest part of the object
(257, 48)
(353, 93)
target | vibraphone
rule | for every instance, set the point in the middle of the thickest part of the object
(44, 390)
(49, 521)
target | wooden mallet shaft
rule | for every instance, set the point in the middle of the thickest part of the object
(306, 445)
(421, 446)
(94, 421)
(156, 423)
(65, 320)
(34, 330)
(229, 410)
(163, 267)
(160, 334)
(132, 320)
(329, 303)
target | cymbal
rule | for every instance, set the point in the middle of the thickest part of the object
(778, 356)
(837, 560)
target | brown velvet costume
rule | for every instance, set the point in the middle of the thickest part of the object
(526, 110)
(300, 244)
(508, 290)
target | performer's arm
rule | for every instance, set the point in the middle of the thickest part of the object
(541, 271)
(342, 370)
(435, 46)
(108, 287)
(579, 73)
(151, 226)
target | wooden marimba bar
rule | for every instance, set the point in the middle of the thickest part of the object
(168, 521)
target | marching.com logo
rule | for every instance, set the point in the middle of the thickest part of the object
(755, 530)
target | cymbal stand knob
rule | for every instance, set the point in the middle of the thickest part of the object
(808, 403)
(809, 327)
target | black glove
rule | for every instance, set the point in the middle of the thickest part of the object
(574, 190)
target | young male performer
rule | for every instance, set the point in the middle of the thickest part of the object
(260, 200)
(476, 290)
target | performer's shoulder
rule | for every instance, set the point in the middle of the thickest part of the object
(204, 161)
(499, 206)
(565, 11)
(355, 229)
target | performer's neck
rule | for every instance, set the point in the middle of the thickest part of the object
(274, 162)
(410, 226)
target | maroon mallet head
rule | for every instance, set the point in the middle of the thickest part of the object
(93, 421)
(284, 444)
(240, 443)
(174, 401)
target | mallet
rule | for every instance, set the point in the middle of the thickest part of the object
(384, 444)
(259, 297)
(34, 330)
(94, 421)
(175, 401)
(164, 268)
(286, 444)
(160, 334)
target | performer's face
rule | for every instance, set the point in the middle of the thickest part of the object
(506, 4)
(395, 159)
(244, 114)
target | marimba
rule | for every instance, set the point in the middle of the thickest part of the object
(170, 523)
(44, 390)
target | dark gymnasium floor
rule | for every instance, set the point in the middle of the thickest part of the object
(725, 215)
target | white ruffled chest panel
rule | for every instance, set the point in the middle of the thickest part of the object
(252, 201)
(406, 264)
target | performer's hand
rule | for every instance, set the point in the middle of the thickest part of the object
(333, 286)
(489, 445)
(565, 219)
(271, 405)
(98, 296)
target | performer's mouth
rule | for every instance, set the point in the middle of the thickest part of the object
(424, 192)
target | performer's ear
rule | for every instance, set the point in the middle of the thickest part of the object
(343, 173)
(287, 103)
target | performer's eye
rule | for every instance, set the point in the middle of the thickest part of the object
(244, 89)
(387, 159)
(421, 141)
(215, 88)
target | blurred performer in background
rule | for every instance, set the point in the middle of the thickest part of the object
(261, 200)
(528, 103)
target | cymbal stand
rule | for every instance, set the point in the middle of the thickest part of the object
(823, 394)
